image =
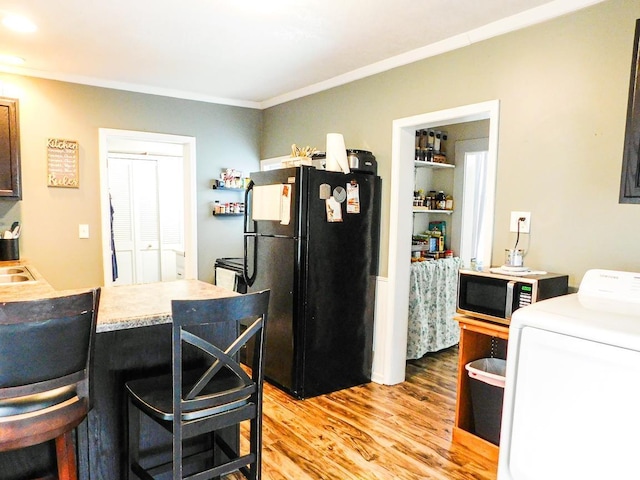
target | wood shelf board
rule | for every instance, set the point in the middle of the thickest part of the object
(482, 326)
(477, 444)
(426, 210)
(423, 164)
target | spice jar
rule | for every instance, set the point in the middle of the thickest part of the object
(448, 202)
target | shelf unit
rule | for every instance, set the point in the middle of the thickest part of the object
(422, 215)
(434, 166)
(227, 214)
(426, 210)
(421, 164)
(217, 188)
(478, 339)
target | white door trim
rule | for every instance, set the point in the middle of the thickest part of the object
(391, 348)
(189, 159)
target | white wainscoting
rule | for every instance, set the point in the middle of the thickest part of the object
(377, 374)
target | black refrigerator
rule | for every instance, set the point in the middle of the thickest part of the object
(311, 237)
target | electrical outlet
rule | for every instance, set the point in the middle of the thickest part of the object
(525, 225)
(83, 230)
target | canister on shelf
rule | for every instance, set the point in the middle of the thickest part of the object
(436, 143)
(448, 202)
(432, 200)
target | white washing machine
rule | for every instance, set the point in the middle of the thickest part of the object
(572, 394)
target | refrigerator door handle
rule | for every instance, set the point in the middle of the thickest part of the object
(250, 279)
(247, 208)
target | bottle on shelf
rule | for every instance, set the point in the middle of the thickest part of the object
(441, 201)
(432, 200)
(423, 145)
(448, 202)
(430, 145)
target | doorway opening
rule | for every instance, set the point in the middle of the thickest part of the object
(477, 182)
(150, 225)
(391, 331)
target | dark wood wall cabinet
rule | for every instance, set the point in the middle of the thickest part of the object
(10, 183)
(630, 178)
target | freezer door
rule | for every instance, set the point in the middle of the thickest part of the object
(274, 202)
(276, 270)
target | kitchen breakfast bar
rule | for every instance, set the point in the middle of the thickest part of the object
(133, 340)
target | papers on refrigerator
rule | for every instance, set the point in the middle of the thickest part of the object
(272, 202)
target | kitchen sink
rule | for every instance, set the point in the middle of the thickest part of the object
(15, 275)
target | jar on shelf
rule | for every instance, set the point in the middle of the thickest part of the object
(432, 200)
(441, 201)
(448, 202)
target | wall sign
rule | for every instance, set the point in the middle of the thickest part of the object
(62, 163)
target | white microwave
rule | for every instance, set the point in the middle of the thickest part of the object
(495, 296)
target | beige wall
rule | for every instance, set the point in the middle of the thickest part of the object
(225, 137)
(563, 89)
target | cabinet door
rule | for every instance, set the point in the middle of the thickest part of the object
(10, 185)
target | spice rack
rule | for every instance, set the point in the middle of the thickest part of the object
(230, 181)
(227, 209)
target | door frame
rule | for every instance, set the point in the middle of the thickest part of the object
(189, 164)
(391, 333)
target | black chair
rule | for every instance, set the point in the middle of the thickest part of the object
(46, 349)
(198, 402)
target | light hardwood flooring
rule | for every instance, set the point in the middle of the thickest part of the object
(371, 431)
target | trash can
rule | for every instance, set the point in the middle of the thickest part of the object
(487, 392)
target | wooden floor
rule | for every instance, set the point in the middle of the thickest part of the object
(372, 431)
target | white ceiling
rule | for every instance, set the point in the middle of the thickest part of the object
(253, 53)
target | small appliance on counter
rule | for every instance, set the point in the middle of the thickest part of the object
(495, 294)
(362, 161)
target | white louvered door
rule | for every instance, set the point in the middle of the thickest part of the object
(147, 221)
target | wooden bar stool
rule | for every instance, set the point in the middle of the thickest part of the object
(196, 403)
(46, 348)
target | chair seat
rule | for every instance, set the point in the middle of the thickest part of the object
(154, 395)
(38, 401)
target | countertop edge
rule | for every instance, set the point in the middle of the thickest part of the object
(121, 307)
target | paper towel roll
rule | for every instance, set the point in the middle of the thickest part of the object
(336, 153)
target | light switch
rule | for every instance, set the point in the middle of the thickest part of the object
(83, 230)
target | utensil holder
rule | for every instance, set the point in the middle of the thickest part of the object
(9, 249)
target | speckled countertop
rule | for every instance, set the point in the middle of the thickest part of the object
(121, 307)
